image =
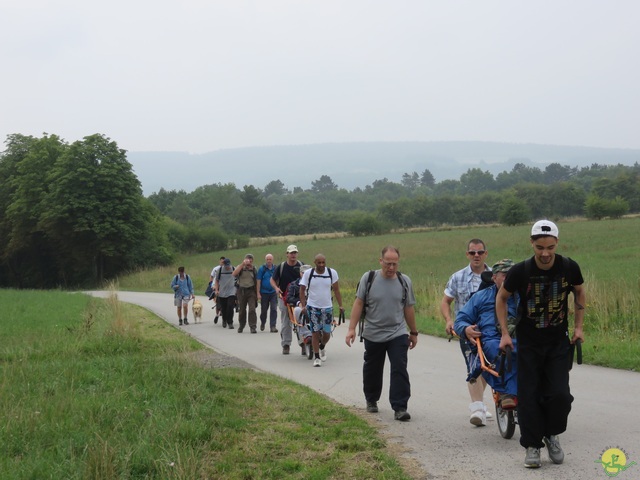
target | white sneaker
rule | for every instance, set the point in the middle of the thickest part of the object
(317, 362)
(487, 413)
(323, 355)
(478, 414)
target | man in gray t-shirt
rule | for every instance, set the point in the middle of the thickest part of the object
(387, 299)
(226, 292)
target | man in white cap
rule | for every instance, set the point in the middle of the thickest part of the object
(543, 283)
(284, 274)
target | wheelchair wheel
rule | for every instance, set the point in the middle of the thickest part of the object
(506, 422)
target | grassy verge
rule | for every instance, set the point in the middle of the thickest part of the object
(604, 249)
(95, 389)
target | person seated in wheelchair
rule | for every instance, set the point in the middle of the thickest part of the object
(292, 297)
(477, 320)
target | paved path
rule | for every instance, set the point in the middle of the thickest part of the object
(606, 412)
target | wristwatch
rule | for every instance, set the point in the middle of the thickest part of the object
(415, 334)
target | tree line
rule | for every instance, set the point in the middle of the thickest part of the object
(519, 196)
(73, 214)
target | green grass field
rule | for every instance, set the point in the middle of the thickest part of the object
(95, 389)
(604, 249)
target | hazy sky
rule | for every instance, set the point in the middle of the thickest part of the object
(201, 75)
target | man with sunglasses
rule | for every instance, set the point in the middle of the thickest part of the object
(460, 287)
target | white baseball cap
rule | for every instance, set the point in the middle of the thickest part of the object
(292, 249)
(544, 227)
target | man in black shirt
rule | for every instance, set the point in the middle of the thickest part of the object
(543, 282)
(284, 274)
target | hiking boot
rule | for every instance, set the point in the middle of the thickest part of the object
(240, 329)
(285, 350)
(323, 355)
(532, 458)
(478, 414)
(274, 330)
(186, 322)
(215, 320)
(372, 407)
(180, 321)
(317, 362)
(253, 330)
(507, 402)
(402, 415)
(555, 450)
(262, 327)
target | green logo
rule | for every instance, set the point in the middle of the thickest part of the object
(614, 461)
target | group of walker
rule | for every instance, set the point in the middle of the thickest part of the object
(527, 301)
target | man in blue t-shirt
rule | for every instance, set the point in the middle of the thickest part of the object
(267, 294)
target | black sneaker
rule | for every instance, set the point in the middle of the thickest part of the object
(224, 324)
(240, 329)
(230, 327)
(253, 330)
(215, 320)
(262, 327)
(180, 322)
(186, 322)
(372, 407)
(402, 415)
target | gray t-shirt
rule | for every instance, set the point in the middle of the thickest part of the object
(227, 282)
(384, 318)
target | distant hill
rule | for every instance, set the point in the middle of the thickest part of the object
(352, 165)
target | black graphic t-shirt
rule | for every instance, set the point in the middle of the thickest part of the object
(544, 294)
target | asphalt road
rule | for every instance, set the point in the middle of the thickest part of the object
(606, 410)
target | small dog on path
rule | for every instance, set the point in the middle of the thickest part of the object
(197, 311)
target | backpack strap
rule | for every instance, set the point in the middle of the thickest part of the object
(370, 277)
(311, 275)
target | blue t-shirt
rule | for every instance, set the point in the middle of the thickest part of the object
(264, 275)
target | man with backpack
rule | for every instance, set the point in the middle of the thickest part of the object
(212, 282)
(182, 294)
(267, 294)
(318, 302)
(246, 274)
(284, 274)
(226, 293)
(543, 283)
(385, 304)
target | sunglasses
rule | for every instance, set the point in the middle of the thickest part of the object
(473, 253)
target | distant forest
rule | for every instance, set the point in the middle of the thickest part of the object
(74, 214)
(521, 195)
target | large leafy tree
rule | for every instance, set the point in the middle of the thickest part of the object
(93, 212)
(26, 252)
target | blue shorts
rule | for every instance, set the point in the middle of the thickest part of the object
(321, 319)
